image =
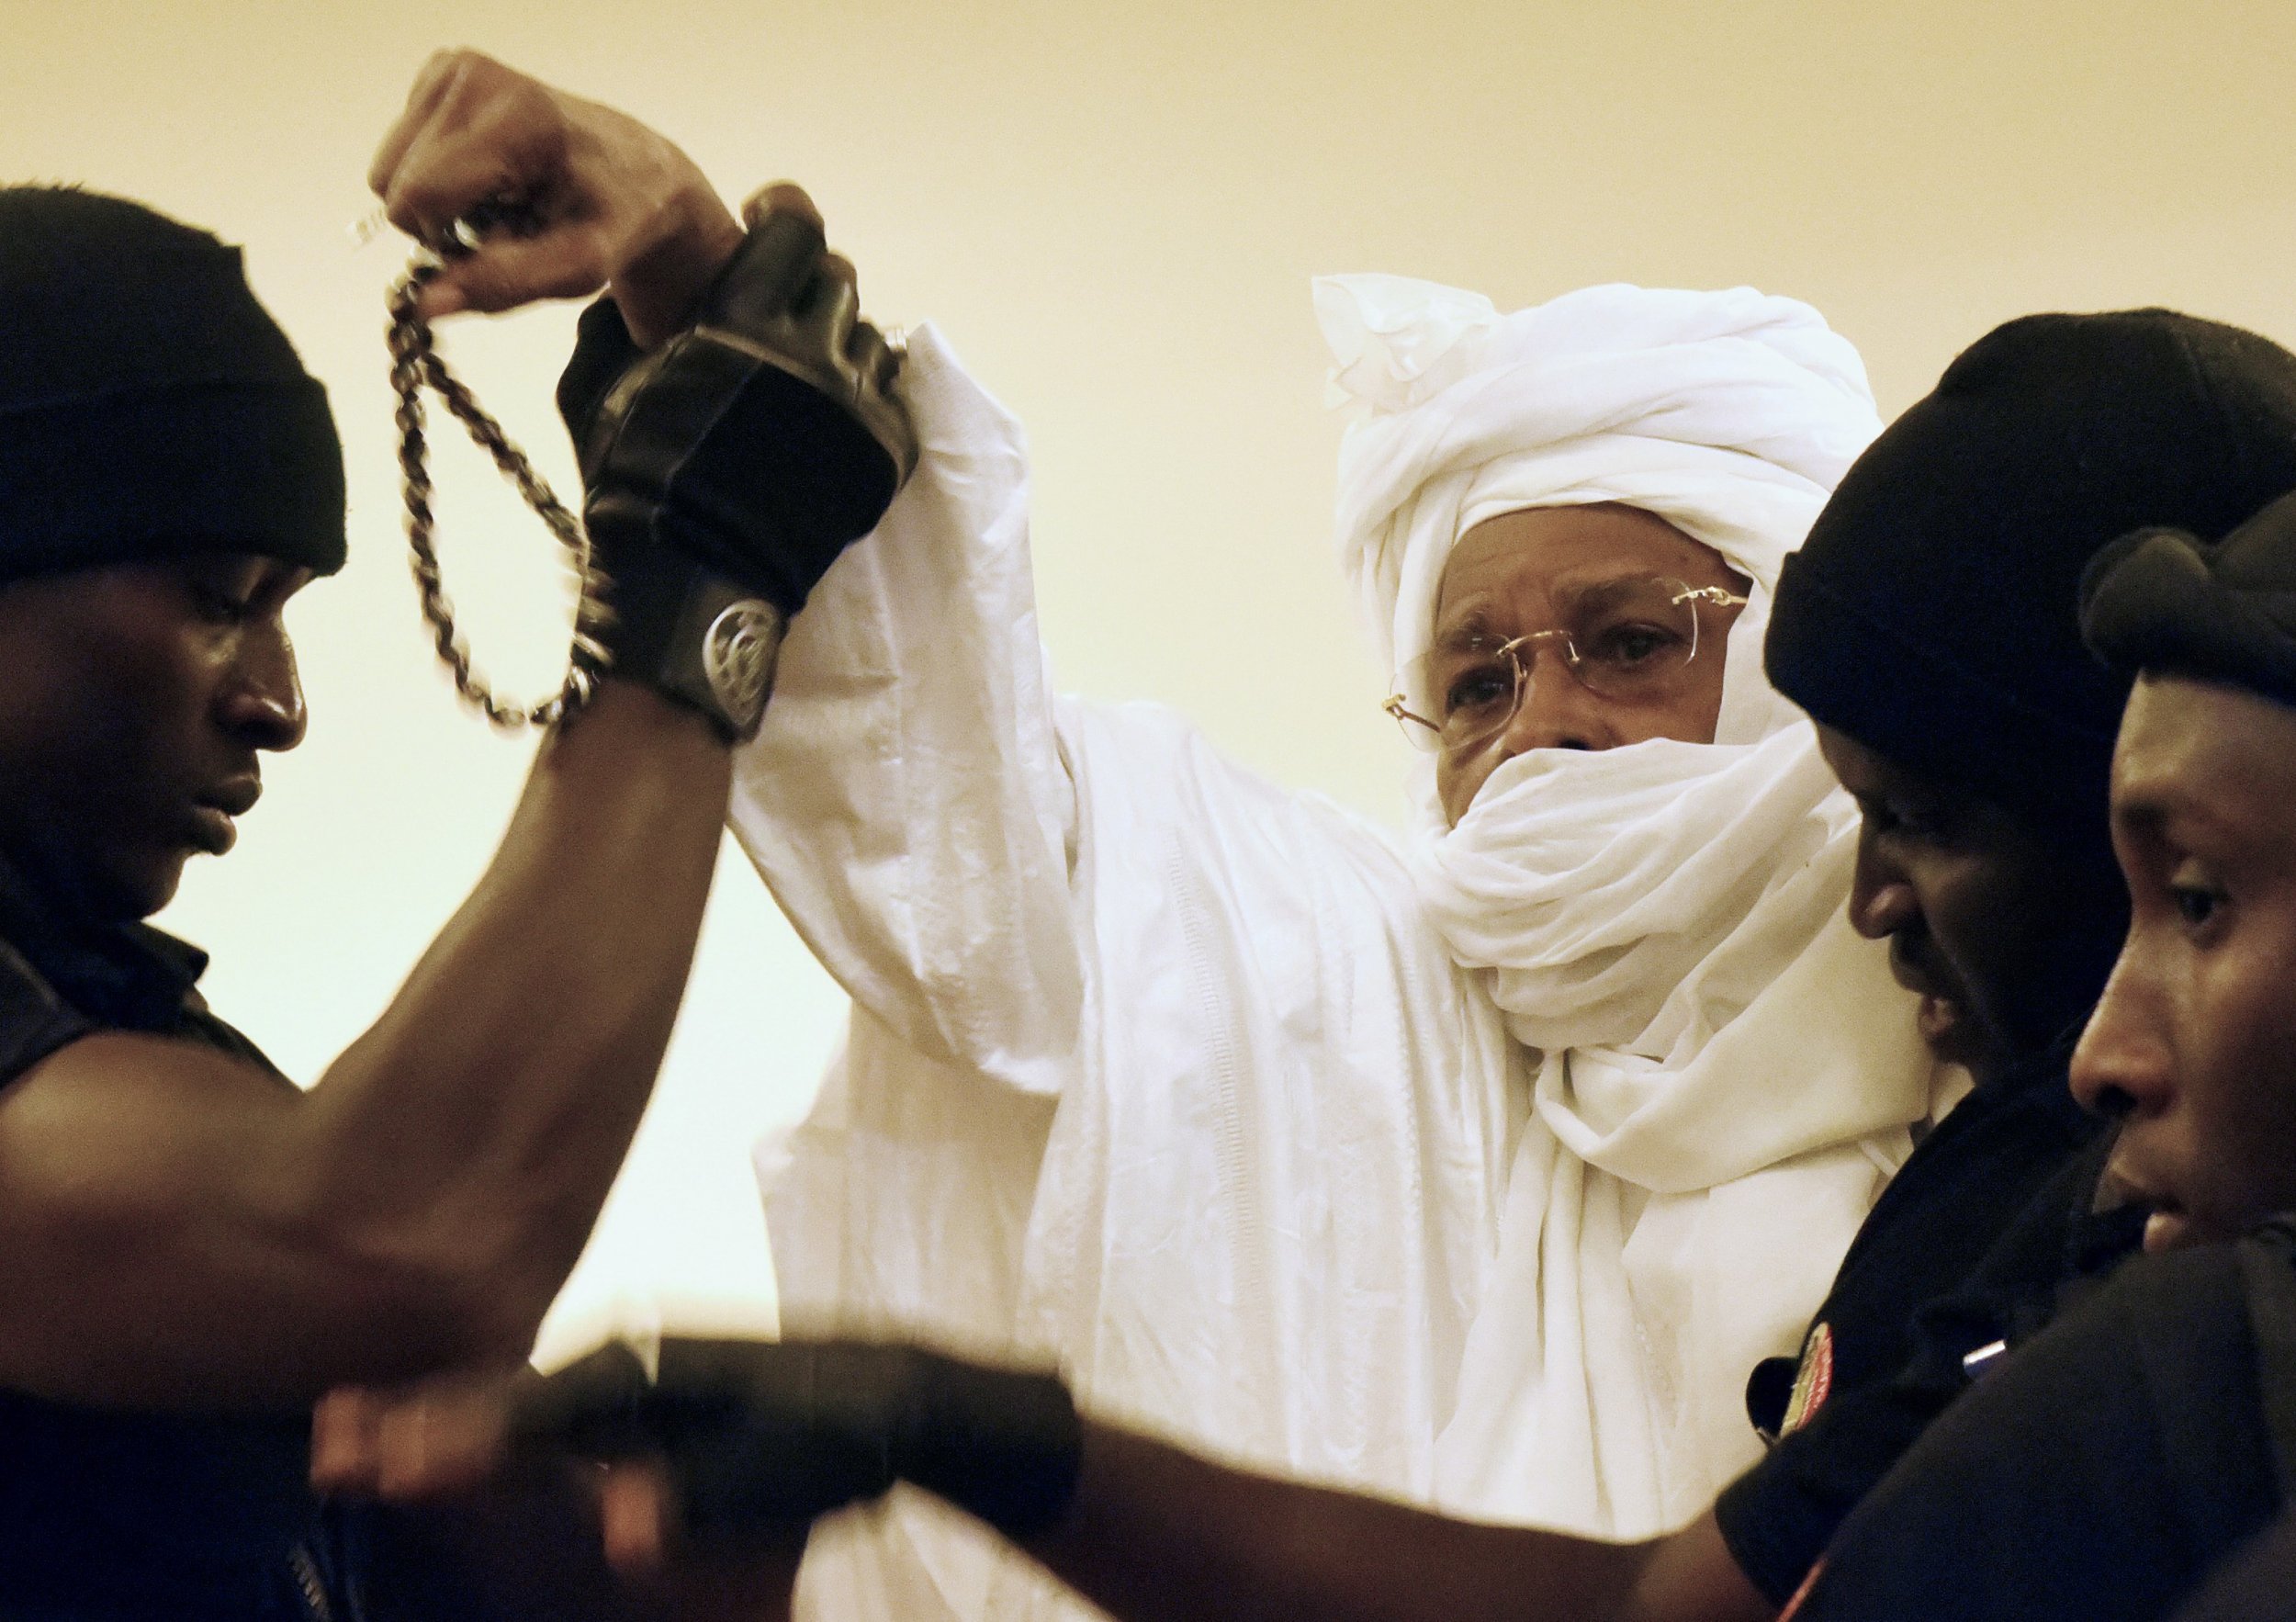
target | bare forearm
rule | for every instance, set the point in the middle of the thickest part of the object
(183, 1230)
(798, 1429)
(1157, 1535)
(485, 1114)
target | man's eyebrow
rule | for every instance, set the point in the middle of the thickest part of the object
(2139, 814)
(1595, 585)
(1471, 631)
(1599, 591)
(2161, 815)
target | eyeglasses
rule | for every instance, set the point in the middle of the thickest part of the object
(1629, 639)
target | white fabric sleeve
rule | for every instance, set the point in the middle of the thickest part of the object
(900, 1205)
(906, 799)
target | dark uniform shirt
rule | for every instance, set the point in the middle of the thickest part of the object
(2106, 1467)
(2257, 1584)
(1974, 1241)
(129, 1516)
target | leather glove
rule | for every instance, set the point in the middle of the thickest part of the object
(732, 465)
(757, 1433)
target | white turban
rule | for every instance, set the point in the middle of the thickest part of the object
(1731, 415)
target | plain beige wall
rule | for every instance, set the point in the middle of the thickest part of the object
(1113, 211)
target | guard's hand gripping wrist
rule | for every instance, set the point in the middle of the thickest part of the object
(761, 1433)
(737, 460)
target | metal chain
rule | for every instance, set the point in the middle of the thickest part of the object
(414, 366)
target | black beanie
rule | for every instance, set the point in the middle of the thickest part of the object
(148, 406)
(1933, 615)
(2165, 600)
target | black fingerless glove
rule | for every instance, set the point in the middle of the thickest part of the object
(725, 471)
(758, 1433)
(763, 440)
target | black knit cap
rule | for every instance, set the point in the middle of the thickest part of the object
(1933, 613)
(2165, 600)
(148, 406)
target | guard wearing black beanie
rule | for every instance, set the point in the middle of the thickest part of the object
(2047, 438)
(1930, 622)
(2145, 1438)
(197, 1250)
(150, 407)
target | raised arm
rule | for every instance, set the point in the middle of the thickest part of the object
(183, 1229)
(908, 800)
(180, 1228)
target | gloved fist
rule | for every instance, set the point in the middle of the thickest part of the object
(756, 1435)
(761, 440)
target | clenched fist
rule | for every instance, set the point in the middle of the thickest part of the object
(578, 197)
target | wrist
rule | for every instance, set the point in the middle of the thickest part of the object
(691, 634)
(1002, 1445)
(659, 288)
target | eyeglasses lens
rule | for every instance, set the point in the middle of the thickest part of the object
(1633, 639)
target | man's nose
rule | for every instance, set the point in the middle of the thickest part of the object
(261, 702)
(1882, 899)
(2124, 1063)
(1555, 712)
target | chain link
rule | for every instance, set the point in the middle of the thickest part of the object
(415, 365)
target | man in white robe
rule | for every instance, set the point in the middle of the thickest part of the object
(1476, 1167)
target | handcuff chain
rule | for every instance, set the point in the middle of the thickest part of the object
(415, 365)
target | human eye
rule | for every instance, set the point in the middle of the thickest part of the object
(1890, 816)
(217, 605)
(1633, 643)
(1477, 688)
(221, 595)
(2200, 902)
(1631, 627)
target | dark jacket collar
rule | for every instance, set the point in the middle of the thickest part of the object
(126, 975)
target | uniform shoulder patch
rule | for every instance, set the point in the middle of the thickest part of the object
(1813, 1379)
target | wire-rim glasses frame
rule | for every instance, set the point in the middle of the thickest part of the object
(1429, 735)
